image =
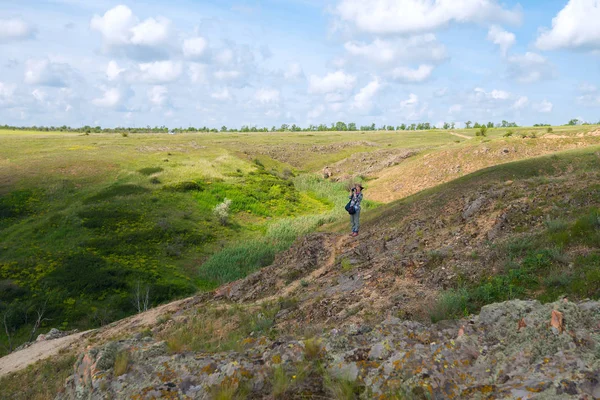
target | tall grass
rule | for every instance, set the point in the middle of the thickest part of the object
(240, 259)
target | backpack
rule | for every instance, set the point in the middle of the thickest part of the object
(350, 208)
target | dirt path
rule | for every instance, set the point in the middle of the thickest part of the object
(335, 246)
(45, 349)
(460, 135)
(39, 351)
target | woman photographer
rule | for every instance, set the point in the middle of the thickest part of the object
(356, 197)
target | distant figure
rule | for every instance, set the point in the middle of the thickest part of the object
(326, 173)
(356, 197)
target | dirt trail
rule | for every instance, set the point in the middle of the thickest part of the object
(39, 351)
(335, 247)
(45, 349)
(460, 135)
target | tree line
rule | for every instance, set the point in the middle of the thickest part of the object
(336, 127)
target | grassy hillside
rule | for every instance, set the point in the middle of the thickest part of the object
(91, 223)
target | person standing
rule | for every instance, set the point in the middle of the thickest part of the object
(356, 197)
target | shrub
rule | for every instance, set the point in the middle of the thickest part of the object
(221, 211)
(549, 130)
(346, 265)
(121, 363)
(124, 134)
(509, 133)
(482, 131)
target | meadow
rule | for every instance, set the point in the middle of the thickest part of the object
(95, 227)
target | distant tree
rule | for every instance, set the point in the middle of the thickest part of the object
(351, 126)
(476, 125)
(490, 125)
(452, 125)
(223, 128)
(468, 124)
(573, 122)
(373, 126)
(341, 126)
(446, 125)
(482, 131)
(403, 127)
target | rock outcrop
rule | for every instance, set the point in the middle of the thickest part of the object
(511, 350)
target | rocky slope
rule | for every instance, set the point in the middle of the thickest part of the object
(517, 350)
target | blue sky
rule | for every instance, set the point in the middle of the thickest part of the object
(189, 62)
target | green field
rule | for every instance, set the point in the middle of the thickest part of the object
(88, 221)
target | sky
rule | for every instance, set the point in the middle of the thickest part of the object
(216, 63)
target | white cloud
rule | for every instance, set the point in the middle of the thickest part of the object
(420, 74)
(115, 25)
(221, 95)
(412, 100)
(505, 40)
(419, 48)
(151, 32)
(413, 16)
(493, 95)
(294, 71)
(195, 48)
(575, 26)
(363, 101)
(543, 107)
(47, 73)
(521, 103)
(529, 68)
(266, 96)
(158, 95)
(111, 98)
(15, 29)
(122, 32)
(160, 71)
(197, 73)
(113, 71)
(333, 82)
(412, 109)
(39, 95)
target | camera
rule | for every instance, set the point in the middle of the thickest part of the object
(354, 189)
